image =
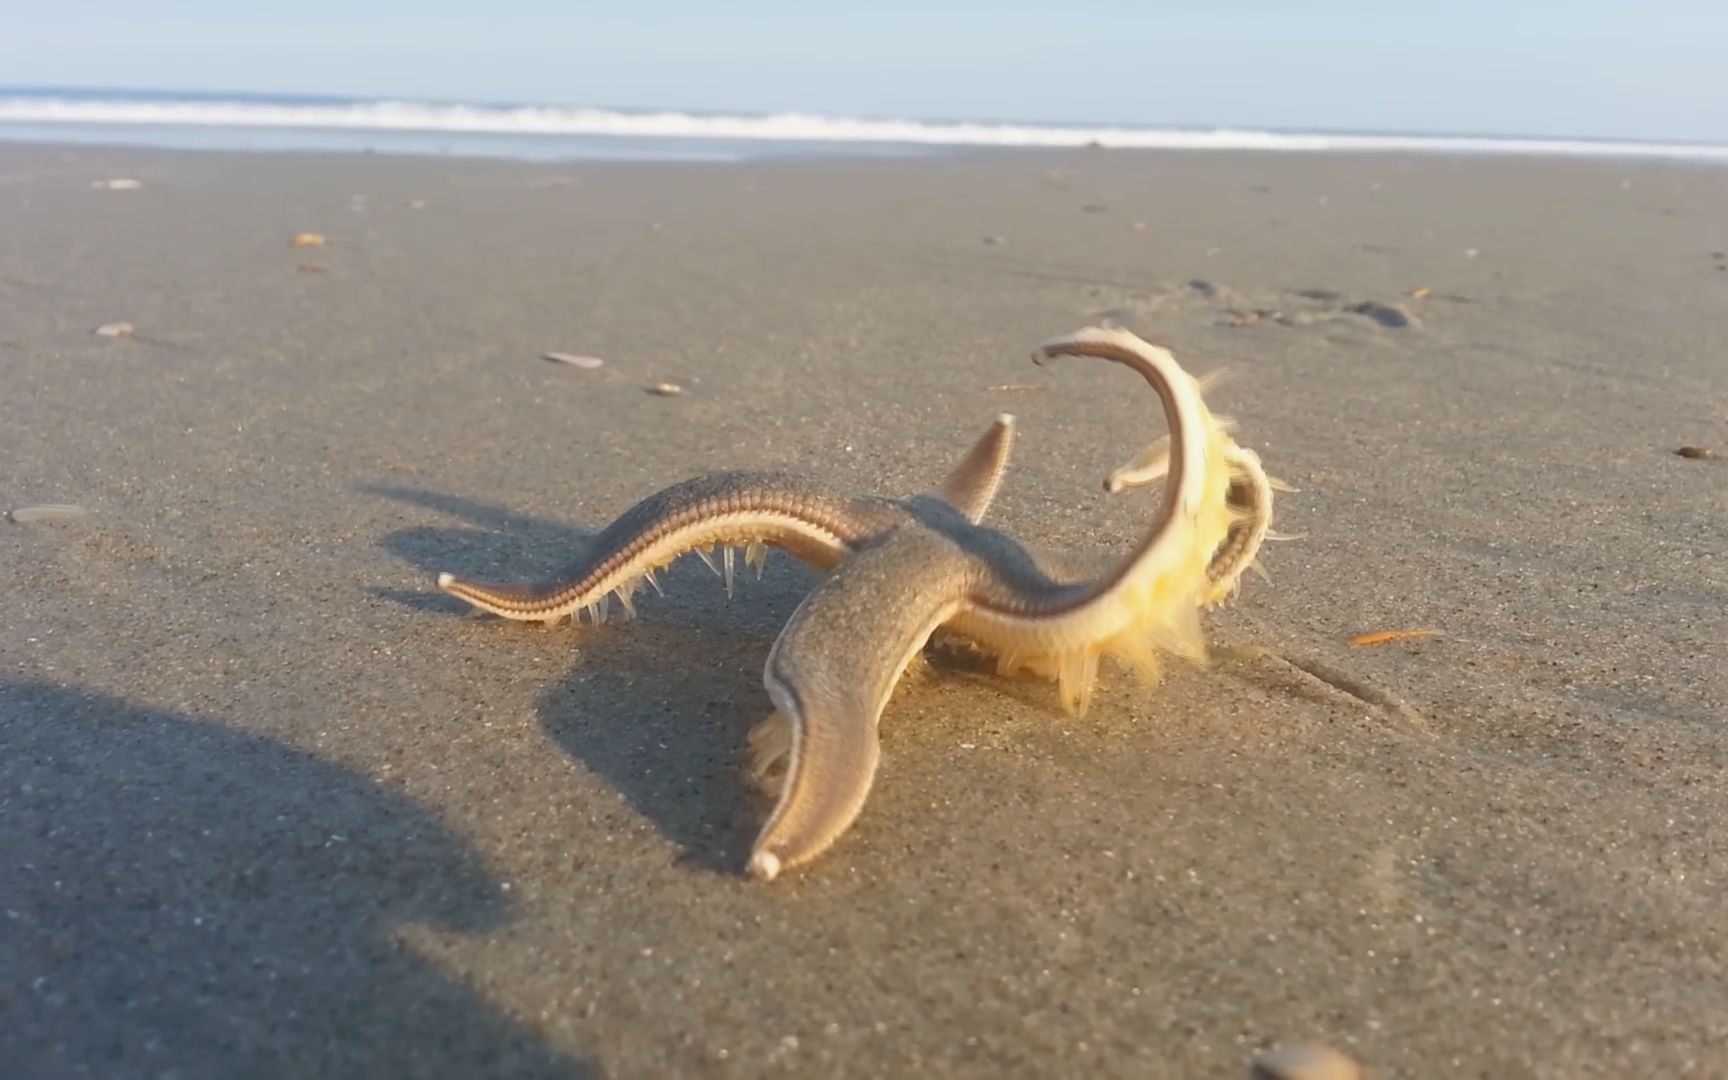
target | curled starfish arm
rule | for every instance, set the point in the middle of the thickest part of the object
(1144, 602)
(1250, 504)
(973, 484)
(830, 675)
(747, 509)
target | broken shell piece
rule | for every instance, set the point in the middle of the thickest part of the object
(1421, 292)
(666, 389)
(586, 363)
(123, 183)
(308, 239)
(1697, 453)
(1382, 637)
(1305, 1063)
(32, 515)
(114, 329)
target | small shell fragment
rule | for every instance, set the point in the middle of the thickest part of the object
(1421, 292)
(1305, 1063)
(1697, 453)
(33, 515)
(586, 363)
(114, 329)
(122, 183)
(666, 389)
(308, 240)
(1383, 637)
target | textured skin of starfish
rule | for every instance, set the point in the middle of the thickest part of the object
(1249, 500)
(902, 570)
(751, 509)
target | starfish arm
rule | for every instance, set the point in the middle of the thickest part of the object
(1250, 503)
(725, 509)
(973, 484)
(1050, 625)
(830, 675)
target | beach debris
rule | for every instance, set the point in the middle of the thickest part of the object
(1696, 453)
(1017, 387)
(415, 204)
(308, 240)
(114, 330)
(34, 515)
(311, 268)
(993, 240)
(121, 183)
(665, 389)
(1386, 637)
(1421, 292)
(1305, 1063)
(1388, 315)
(586, 363)
(1471, 253)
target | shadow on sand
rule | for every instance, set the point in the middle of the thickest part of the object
(182, 899)
(659, 707)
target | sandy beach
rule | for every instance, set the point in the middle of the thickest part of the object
(271, 805)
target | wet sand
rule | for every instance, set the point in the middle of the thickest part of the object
(272, 806)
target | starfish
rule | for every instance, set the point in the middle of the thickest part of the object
(906, 568)
(1250, 501)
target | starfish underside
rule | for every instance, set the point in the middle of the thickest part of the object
(905, 568)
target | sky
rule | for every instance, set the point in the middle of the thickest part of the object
(1656, 70)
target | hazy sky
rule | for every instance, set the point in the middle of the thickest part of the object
(1656, 70)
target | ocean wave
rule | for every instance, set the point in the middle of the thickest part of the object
(386, 116)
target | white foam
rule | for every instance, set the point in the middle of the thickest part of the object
(386, 116)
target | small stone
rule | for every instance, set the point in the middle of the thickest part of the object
(123, 183)
(1095, 208)
(114, 329)
(310, 268)
(32, 515)
(666, 389)
(1388, 315)
(1421, 292)
(1305, 1063)
(586, 363)
(308, 240)
(1697, 453)
(995, 241)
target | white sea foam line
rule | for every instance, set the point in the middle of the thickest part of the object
(395, 116)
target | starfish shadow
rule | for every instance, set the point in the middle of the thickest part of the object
(495, 543)
(659, 707)
(185, 898)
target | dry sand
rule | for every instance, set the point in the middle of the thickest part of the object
(269, 805)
